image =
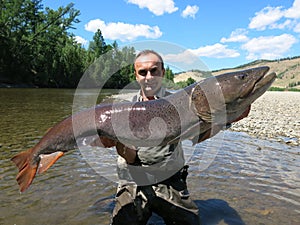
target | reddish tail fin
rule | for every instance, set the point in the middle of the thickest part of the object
(48, 160)
(27, 171)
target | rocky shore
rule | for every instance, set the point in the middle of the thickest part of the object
(274, 116)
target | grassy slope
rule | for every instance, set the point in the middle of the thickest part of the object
(287, 70)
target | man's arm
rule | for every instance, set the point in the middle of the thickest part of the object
(127, 153)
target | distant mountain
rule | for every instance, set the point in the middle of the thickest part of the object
(287, 70)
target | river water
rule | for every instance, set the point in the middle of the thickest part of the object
(233, 178)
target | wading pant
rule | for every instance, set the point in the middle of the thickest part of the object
(169, 199)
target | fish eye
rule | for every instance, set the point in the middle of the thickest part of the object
(242, 76)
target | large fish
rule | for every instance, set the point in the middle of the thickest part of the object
(196, 112)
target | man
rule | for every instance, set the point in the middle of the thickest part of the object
(169, 197)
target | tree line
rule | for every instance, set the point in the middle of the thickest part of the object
(38, 48)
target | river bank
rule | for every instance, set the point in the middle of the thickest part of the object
(19, 85)
(274, 116)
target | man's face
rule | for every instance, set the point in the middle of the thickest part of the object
(149, 73)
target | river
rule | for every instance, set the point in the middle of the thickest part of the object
(234, 178)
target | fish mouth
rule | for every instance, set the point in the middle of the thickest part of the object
(264, 82)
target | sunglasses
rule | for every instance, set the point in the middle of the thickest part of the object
(154, 72)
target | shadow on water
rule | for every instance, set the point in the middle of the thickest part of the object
(212, 211)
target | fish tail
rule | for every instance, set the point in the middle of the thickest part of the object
(27, 170)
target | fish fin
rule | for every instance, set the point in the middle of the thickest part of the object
(207, 134)
(27, 170)
(47, 160)
(190, 133)
(244, 114)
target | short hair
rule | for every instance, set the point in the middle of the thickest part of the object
(149, 51)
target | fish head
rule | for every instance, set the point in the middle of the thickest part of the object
(259, 80)
(241, 84)
(224, 98)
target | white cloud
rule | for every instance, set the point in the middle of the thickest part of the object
(81, 40)
(269, 47)
(216, 51)
(184, 57)
(157, 7)
(281, 26)
(190, 11)
(238, 35)
(297, 28)
(269, 17)
(294, 11)
(265, 17)
(94, 25)
(123, 31)
(189, 59)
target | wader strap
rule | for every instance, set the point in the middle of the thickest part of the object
(148, 192)
(184, 173)
(145, 196)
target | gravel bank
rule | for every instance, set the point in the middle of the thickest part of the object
(275, 116)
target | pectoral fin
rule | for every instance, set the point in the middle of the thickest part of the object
(207, 134)
(47, 160)
(244, 114)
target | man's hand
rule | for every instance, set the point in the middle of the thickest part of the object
(129, 154)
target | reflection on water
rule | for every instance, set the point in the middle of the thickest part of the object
(235, 179)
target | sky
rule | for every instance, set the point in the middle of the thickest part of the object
(219, 33)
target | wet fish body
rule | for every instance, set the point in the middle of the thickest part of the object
(196, 112)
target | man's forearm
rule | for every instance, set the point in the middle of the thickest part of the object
(127, 153)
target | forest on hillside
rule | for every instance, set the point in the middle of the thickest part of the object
(38, 48)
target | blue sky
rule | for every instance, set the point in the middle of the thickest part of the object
(221, 34)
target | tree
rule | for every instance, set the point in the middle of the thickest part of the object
(98, 46)
(168, 78)
(18, 22)
(182, 84)
(33, 40)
